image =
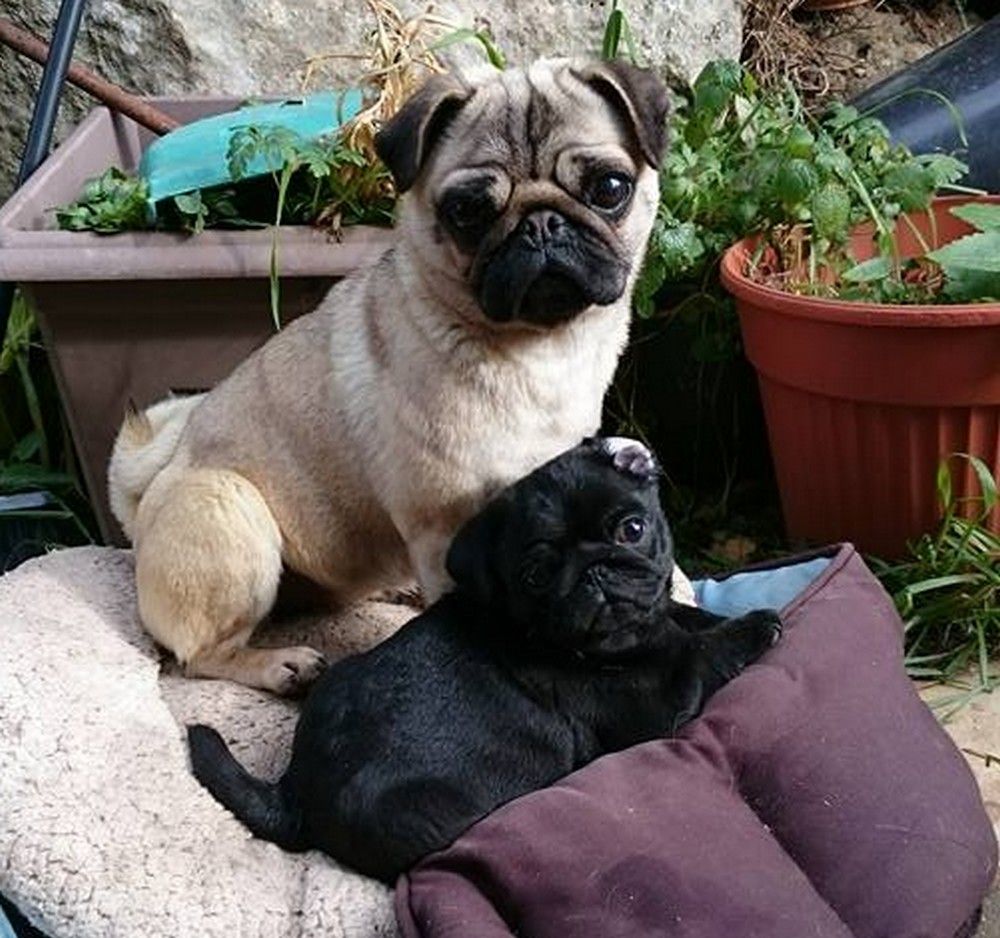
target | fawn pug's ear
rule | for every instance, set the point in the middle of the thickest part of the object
(639, 96)
(408, 138)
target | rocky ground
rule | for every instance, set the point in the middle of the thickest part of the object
(871, 42)
(975, 728)
(230, 47)
(183, 46)
(837, 54)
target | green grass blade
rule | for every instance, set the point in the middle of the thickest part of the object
(612, 33)
(956, 114)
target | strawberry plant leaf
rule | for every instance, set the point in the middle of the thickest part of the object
(971, 266)
(112, 202)
(980, 251)
(800, 142)
(831, 212)
(910, 185)
(717, 85)
(795, 182)
(971, 286)
(945, 169)
(984, 216)
(876, 268)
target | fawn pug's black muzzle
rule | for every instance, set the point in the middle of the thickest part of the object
(548, 270)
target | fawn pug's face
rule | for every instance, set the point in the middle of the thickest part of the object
(530, 193)
(577, 553)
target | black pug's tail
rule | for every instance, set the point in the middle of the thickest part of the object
(258, 804)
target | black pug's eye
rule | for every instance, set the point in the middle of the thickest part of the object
(630, 530)
(537, 574)
(610, 191)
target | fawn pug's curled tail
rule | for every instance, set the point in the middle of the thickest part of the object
(144, 446)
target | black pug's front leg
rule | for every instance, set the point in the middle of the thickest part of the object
(729, 647)
(717, 650)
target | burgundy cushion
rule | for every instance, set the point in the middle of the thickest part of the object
(815, 796)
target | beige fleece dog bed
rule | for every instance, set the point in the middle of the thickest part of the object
(103, 831)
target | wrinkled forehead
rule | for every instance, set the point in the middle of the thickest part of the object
(581, 488)
(521, 119)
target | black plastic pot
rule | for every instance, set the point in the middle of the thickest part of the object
(967, 73)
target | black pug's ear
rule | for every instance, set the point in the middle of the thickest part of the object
(406, 140)
(627, 455)
(471, 561)
(640, 96)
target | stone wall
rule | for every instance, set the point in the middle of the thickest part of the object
(254, 46)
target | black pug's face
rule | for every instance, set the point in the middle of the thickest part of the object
(575, 555)
(531, 191)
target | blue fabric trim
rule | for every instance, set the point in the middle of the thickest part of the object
(758, 589)
(6, 929)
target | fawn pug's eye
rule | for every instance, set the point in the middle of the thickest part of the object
(630, 530)
(468, 209)
(610, 191)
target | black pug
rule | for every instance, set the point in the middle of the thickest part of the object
(560, 643)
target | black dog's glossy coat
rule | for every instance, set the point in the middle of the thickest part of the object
(560, 644)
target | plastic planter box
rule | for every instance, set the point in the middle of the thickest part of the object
(138, 315)
(862, 400)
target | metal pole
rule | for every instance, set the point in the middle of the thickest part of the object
(43, 117)
(118, 99)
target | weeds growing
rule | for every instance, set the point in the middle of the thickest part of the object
(42, 499)
(948, 590)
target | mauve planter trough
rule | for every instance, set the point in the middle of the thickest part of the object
(137, 315)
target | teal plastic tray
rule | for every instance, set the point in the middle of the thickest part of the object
(194, 156)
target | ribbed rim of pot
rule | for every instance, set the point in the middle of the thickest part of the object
(735, 259)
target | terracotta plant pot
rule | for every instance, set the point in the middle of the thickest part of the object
(138, 315)
(862, 401)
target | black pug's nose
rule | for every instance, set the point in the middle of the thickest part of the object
(540, 227)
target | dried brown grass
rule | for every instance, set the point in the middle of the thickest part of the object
(819, 51)
(399, 57)
(777, 49)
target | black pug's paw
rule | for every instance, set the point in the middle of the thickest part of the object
(768, 623)
(739, 642)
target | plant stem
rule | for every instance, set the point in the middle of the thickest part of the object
(34, 408)
(286, 177)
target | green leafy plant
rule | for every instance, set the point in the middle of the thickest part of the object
(971, 265)
(42, 501)
(114, 201)
(948, 590)
(748, 160)
(322, 181)
(316, 182)
(745, 160)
